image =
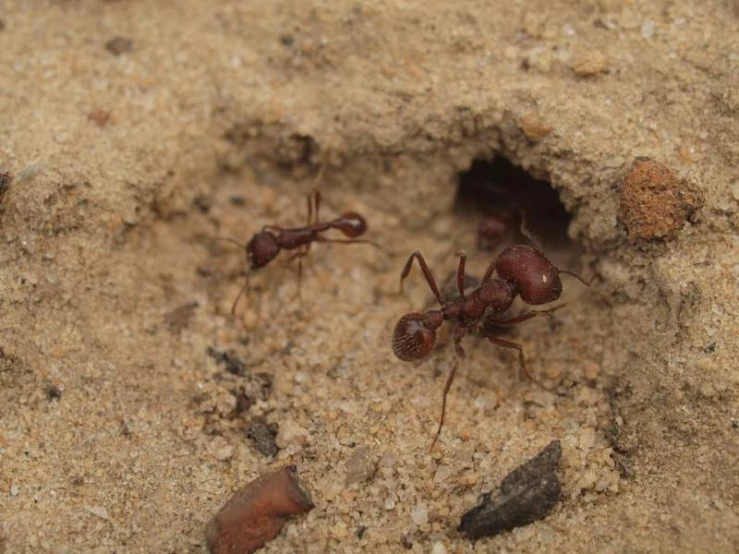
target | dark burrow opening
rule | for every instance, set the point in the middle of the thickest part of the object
(510, 206)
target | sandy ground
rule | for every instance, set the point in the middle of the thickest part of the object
(120, 433)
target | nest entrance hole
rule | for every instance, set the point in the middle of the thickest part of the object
(490, 188)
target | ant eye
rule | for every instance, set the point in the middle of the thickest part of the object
(412, 339)
(352, 224)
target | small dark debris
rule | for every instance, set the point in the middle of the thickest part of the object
(735, 423)
(406, 541)
(6, 177)
(244, 401)
(78, 481)
(237, 200)
(287, 40)
(624, 465)
(710, 349)
(99, 116)
(263, 436)
(360, 531)
(119, 45)
(180, 318)
(526, 495)
(53, 393)
(233, 364)
(203, 203)
(2, 25)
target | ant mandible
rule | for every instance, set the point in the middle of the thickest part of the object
(271, 240)
(522, 270)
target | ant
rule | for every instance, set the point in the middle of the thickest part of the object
(499, 227)
(522, 271)
(271, 240)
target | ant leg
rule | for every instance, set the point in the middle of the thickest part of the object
(350, 241)
(525, 316)
(241, 292)
(426, 273)
(526, 232)
(521, 358)
(317, 197)
(271, 229)
(489, 271)
(309, 198)
(459, 333)
(460, 272)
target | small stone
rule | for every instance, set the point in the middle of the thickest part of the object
(442, 474)
(438, 548)
(119, 45)
(291, 434)
(263, 436)
(590, 63)
(257, 513)
(98, 511)
(647, 29)
(14, 490)
(420, 513)
(588, 480)
(707, 390)
(654, 204)
(361, 466)
(389, 503)
(527, 494)
(734, 188)
(533, 126)
(224, 453)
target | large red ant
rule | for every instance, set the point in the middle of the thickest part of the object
(271, 240)
(522, 270)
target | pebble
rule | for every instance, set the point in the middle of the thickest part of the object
(361, 466)
(438, 548)
(290, 434)
(224, 453)
(588, 480)
(257, 513)
(420, 513)
(442, 474)
(590, 63)
(533, 126)
(14, 490)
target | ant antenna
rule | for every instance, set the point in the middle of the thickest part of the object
(227, 239)
(248, 273)
(576, 276)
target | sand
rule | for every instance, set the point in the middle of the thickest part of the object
(120, 433)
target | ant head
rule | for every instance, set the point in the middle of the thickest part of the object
(537, 279)
(352, 224)
(262, 249)
(415, 335)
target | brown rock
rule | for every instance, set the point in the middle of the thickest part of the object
(654, 203)
(533, 126)
(256, 514)
(590, 63)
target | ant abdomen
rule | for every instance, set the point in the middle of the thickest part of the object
(537, 279)
(351, 224)
(414, 336)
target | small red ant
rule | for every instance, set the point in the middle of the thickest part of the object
(271, 240)
(498, 228)
(522, 270)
